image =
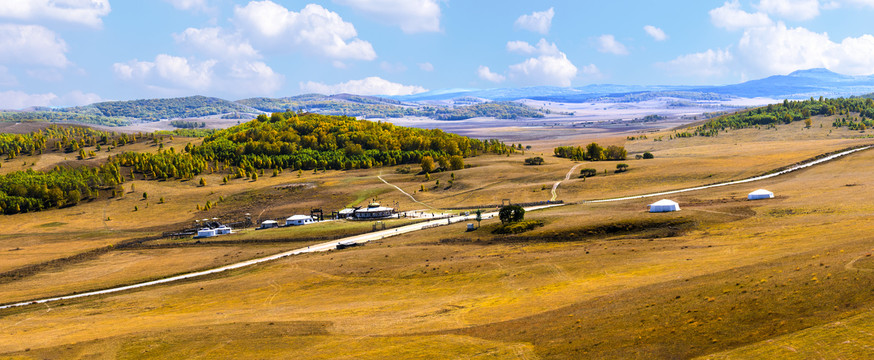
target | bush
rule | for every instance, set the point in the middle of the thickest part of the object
(588, 172)
(537, 160)
(648, 155)
(621, 167)
(518, 227)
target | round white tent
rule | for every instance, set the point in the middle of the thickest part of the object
(664, 205)
(760, 194)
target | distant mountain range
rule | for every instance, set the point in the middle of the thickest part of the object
(797, 85)
(448, 104)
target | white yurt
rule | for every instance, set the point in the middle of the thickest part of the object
(760, 194)
(664, 205)
(295, 220)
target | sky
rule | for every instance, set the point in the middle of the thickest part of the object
(76, 52)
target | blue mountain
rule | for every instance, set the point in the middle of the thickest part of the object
(797, 85)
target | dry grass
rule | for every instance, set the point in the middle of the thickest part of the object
(597, 281)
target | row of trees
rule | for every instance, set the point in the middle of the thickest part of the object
(592, 152)
(790, 111)
(26, 191)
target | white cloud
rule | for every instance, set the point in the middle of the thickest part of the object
(779, 50)
(656, 33)
(486, 74)
(85, 12)
(19, 99)
(214, 42)
(555, 70)
(538, 21)
(195, 5)
(591, 70)
(729, 16)
(705, 64)
(32, 45)
(314, 28)
(608, 44)
(426, 66)
(392, 68)
(178, 75)
(367, 86)
(543, 47)
(791, 9)
(412, 16)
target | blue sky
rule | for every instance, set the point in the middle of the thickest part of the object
(73, 52)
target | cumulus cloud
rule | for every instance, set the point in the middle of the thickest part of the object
(486, 74)
(608, 44)
(175, 74)
(591, 70)
(656, 33)
(543, 47)
(779, 49)
(412, 16)
(19, 99)
(214, 42)
(426, 66)
(32, 45)
(729, 16)
(555, 70)
(367, 86)
(791, 9)
(314, 28)
(538, 21)
(195, 5)
(84, 12)
(705, 64)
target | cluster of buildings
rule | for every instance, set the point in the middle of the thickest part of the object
(666, 205)
(211, 228)
(373, 211)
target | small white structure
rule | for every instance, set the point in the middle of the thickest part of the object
(222, 230)
(204, 233)
(269, 224)
(664, 205)
(373, 211)
(296, 220)
(760, 194)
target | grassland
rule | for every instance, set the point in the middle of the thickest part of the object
(724, 277)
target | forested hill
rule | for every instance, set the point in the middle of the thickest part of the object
(311, 141)
(154, 109)
(856, 113)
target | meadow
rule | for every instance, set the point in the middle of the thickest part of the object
(723, 278)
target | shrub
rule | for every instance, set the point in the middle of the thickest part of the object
(518, 227)
(621, 167)
(588, 172)
(648, 155)
(511, 214)
(537, 160)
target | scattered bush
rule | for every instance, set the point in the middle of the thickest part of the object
(518, 227)
(648, 155)
(537, 160)
(588, 172)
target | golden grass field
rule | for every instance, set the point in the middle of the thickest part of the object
(790, 277)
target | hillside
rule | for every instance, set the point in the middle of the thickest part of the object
(155, 109)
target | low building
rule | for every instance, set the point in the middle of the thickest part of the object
(346, 213)
(760, 194)
(664, 205)
(269, 224)
(222, 230)
(296, 220)
(373, 211)
(204, 233)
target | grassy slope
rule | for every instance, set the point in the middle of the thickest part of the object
(746, 271)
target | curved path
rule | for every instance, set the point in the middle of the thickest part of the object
(566, 178)
(360, 239)
(404, 192)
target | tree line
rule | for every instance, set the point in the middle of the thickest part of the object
(591, 152)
